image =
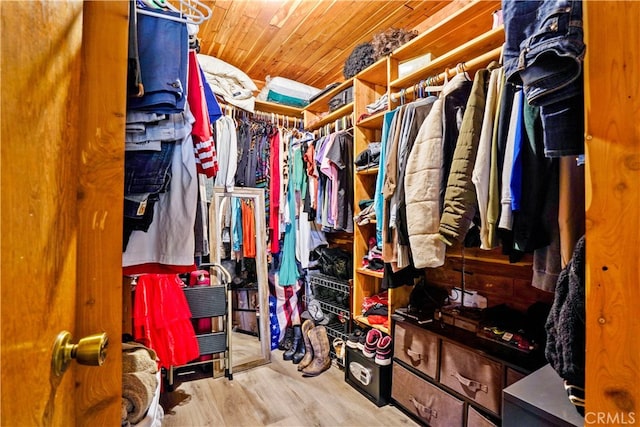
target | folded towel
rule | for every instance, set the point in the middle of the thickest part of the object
(124, 422)
(137, 391)
(138, 358)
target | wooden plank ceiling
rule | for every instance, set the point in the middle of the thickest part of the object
(304, 40)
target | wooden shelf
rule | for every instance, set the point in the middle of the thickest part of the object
(272, 107)
(320, 105)
(449, 33)
(493, 256)
(481, 44)
(367, 272)
(340, 112)
(375, 73)
(363, 320)
(372, 122)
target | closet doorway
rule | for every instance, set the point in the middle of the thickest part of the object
(250, 338)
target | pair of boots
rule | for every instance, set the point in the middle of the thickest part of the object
(293, 344)
(317, 358)
(308, 347)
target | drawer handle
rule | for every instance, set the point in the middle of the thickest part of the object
(472, 384)
(414, 355)
(423, 411)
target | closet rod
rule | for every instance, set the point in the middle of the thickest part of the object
(476, 62)
(276, 116)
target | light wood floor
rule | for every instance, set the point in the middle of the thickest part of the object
(246, 348)
(275, 394)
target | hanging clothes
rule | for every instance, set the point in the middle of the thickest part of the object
(460, 203)
(274, 191)
(498, 144)
(422, 192)
(288, 273)
(201, 226)
(378, 199)
(482, 168)
(168, 246)
(389, 253)
(414, 116)
(227, 144)
(236, 224)
(312, 176)
(248, 229)
(163, 52)
(206, 157)
(340, 155)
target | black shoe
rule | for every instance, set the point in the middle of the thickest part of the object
(354, 337)
(297, 339)
(362, 339)
(301, 351)
(287, 340)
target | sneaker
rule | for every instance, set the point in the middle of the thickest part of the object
(354, 337)
(383, 351)
(371, 343)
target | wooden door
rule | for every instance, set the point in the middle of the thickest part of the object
(63, 111)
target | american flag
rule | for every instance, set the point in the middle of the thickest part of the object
(285, 307)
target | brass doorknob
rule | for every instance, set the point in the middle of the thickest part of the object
(91, 350)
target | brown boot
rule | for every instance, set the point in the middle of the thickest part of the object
(321, 358)
(307, 325)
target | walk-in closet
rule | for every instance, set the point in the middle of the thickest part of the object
(320, 213)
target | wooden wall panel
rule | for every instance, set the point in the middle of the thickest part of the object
(612, 102)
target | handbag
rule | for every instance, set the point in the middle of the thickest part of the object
(335, 262)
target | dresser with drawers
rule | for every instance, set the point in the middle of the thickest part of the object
(447, 376)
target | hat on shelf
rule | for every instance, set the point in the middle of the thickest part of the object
(314, 312)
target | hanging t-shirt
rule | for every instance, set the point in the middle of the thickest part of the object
(340, 154)
(227, 143)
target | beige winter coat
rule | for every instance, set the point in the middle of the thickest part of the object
(422, 192)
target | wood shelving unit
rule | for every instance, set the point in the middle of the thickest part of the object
(317, 113)
(463, 37)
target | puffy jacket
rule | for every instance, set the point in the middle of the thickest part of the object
(422, 191)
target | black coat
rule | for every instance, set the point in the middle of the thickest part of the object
(565, 349)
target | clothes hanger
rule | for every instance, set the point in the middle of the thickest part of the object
(196, 16)
(148, 12)
(461, 70)
(198, 4)
(431, 86)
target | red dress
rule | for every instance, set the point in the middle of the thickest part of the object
(162, 319)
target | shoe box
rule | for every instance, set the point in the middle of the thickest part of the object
(369, 378)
